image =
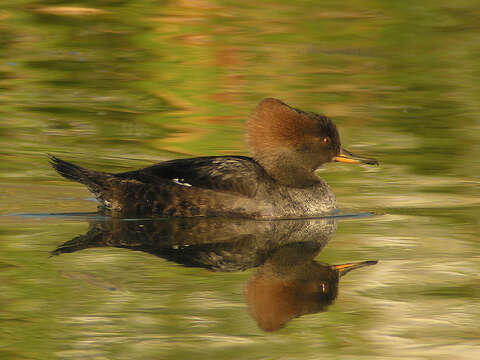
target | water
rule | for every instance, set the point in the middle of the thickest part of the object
(120, 85)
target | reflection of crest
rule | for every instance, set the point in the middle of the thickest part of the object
(291, 283)
(288, 282)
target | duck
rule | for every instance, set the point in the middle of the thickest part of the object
(287, 145)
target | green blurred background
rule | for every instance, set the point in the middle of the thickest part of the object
(117, 85)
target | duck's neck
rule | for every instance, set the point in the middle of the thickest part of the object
(288, 169)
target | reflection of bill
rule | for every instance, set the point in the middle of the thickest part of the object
(288, 282)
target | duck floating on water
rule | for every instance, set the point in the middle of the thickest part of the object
(279, 181)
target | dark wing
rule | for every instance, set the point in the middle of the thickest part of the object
(232, 174)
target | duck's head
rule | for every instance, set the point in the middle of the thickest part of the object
(291, 144)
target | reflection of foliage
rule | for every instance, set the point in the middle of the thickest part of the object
(77, 81)
(136, 78)
(423, 58)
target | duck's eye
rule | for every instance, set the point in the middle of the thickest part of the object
(326, 140)
(324, 287)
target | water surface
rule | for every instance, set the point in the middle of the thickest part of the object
(118, 85)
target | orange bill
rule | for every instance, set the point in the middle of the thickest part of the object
(347, 157)
(344, 268)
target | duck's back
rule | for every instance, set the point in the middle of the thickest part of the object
(205, 186)
(237, 175)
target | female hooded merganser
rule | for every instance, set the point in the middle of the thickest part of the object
(288, 145)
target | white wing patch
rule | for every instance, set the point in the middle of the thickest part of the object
(181, 182)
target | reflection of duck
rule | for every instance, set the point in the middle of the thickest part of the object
(291, 284)
(218, 244)
(288, 282)
(288, 145)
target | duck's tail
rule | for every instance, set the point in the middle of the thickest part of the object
(96, 181)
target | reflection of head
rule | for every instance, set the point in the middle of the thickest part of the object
(273, 301)
(291, 284)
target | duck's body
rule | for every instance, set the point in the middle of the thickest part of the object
(206, 186)
(278, 182)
